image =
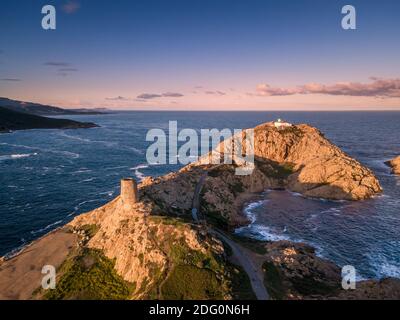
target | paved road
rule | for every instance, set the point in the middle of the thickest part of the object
(256, 280)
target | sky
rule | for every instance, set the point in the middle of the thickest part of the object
(202, 54)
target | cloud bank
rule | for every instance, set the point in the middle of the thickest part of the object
(57, 64)
(216, 93)
(119, 98)
(11, 79)
(381, 88)
(63, 68)
(148, 96)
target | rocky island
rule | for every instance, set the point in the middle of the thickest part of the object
(395, 165)
(145, 244)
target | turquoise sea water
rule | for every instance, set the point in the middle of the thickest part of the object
(49, 176)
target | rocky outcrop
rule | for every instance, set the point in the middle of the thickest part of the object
(395, 165)
(147, 249)
(294, 271)
(298, 158)
(320, 169)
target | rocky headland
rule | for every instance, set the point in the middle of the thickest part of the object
(11, 120)
(297, 158)
(150, 247)
(395, 165)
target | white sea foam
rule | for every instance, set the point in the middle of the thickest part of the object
(72, 137)
(46, 227)
(78, 206)
(114, 168)
(383, 266)
(262, 232)
(66, 153)
(138, 174)
(135, 150)
(266, 233)
(17, 156)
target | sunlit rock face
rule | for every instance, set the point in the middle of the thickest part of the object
(395, 165)
(320, 169)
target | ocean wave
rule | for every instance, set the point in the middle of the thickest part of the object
(86, 140)
(115, 168)
(108, 193)
(139, 175)
(67, 153)
(46, 227)
(334, 210)
(261, 232)
(382, 266)
(266, 233)
(136, 150)
(81, 171)
(17, 156)
(295, 194)
(248, 210)
(79, 205)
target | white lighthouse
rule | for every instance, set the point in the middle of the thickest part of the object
(279, 124)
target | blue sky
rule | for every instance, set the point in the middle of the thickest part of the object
(210, 54)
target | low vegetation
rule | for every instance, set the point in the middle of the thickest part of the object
(90, 275)
(190, 282)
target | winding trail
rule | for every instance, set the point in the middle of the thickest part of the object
(238, 252)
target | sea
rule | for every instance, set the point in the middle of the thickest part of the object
(47, 177)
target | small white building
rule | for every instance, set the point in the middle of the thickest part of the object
(279, 124)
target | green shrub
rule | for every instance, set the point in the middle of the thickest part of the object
(187, 282)
(90, 276)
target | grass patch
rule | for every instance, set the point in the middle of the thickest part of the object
(187, 282)
(90, 276)
(273, 281)
(168, 220)
(90, 229)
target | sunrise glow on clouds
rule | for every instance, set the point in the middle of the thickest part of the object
(202, 56)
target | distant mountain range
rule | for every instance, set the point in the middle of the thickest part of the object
(45, 110)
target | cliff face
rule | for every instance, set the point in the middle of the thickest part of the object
(151, 251)
(395, 165)
(320, 168)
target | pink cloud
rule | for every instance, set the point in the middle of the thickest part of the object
(384, 88)
(71, 7)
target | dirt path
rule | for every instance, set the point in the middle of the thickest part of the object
(242, 257)
(22, 274)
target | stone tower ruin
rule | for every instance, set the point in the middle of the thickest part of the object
(129, 192)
